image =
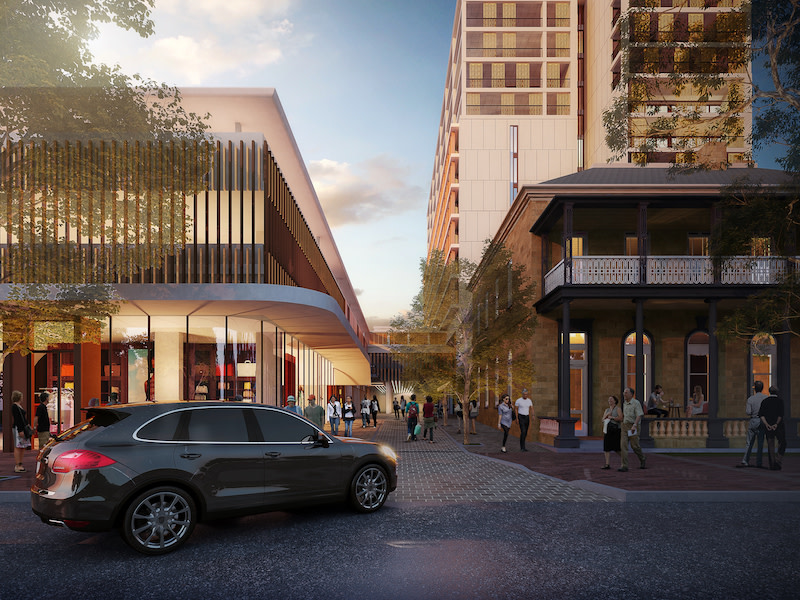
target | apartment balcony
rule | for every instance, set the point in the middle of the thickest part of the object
(667, 271)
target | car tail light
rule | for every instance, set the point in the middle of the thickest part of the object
(79, 460)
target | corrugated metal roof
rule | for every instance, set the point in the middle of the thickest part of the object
(635, 175)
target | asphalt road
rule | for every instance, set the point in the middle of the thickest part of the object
(532, 550)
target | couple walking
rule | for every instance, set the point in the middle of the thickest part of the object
(506, 415)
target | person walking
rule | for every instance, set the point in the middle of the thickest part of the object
(396, 408)
(314, 412)
(19, 424)
(525, 412)
(474, 409)
(755, 428)
(428, 418)
(412, 412)
(403, 406)
(41, 420)
(771, 413)
(374, 409)
(334, 414)
(632, 414)
(612, 417)
(459, 414)
(291, 406)
(364, 412)
(505, 416)
(349, 415)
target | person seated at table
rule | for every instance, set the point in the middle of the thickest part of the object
(655, 401)
(696, 404)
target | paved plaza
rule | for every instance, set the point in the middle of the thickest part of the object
(444, 472)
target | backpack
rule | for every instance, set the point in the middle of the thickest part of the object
(412, 410)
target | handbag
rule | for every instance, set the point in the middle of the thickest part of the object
(612, 426)
(513, 415)
(28, 432)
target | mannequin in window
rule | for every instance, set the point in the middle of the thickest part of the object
(201, 390)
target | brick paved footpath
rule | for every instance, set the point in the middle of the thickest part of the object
(437, 471)
(444, 473)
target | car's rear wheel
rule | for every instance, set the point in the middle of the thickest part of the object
(159, 520)
(369, 489)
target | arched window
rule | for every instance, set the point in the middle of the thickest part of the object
(629, 364)
(697, 362)
(763, 360)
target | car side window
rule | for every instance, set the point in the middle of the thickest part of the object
(216, 425)
(162, 429)
(280, 426)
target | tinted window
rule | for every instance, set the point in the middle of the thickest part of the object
(216, 425)
(162, 429)
(95, 418)
(280, 426)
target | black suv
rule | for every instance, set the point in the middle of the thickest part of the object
(156, 470)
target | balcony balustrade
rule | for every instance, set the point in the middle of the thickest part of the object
(665, 270)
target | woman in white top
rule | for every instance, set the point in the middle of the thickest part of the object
(695, 406)
(505, 415)
(334, 414)
(612, 432)
(365, 412)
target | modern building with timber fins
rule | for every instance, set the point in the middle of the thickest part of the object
(255, 301)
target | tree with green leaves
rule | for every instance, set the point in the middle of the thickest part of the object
(759, 219)
(749, 60)
(95, 165)
(483, 317)
(681, 78)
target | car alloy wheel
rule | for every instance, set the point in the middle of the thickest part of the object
(369, 489)
(159, 520)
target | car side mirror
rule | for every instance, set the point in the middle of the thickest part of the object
(320, 441)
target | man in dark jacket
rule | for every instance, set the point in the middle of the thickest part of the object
(41, 420)
(771, 414)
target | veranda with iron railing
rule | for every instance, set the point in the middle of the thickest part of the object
(669, 270)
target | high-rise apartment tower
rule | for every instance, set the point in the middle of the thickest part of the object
(528, 83)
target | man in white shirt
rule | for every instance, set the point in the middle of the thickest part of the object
(524, 407)
(755, 429)
(632, 415)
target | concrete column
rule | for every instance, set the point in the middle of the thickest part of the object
(716, 436)
(566, 424)
(169, 366)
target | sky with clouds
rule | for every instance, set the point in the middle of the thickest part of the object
(361, 82)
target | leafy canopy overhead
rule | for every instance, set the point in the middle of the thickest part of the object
(53, 89)
(94, 164)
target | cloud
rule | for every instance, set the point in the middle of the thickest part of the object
(196, 41)
(365, 192)
(358, 291)
(224, 14)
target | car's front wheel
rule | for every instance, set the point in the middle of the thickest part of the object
(159, 520)
(369, 489)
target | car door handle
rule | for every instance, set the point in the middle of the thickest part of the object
(272, 454)
(191, 456)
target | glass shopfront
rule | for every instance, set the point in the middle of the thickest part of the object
(206, 358)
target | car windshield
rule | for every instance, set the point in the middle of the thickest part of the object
(96, 418)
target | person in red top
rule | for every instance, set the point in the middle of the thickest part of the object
(428, 417)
